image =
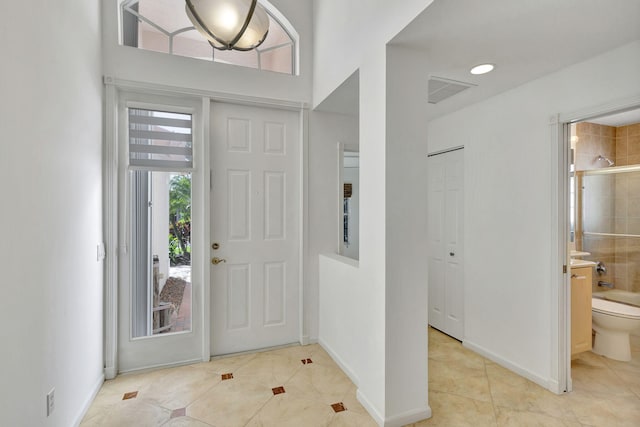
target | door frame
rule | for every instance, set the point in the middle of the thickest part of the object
(114, 90)
(560, 257)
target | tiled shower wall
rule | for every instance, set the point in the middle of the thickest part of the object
(615, 206)
(595, 140)
(627, 209)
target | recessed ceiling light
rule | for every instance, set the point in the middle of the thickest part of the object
(482, 69)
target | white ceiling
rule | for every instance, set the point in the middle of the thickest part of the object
(525, 39)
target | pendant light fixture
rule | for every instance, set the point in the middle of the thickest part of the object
(229, 24)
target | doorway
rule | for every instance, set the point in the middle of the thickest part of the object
(255, 228)
(604, 235)
(446, 242)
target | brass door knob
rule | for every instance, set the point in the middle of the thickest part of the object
(215, 260)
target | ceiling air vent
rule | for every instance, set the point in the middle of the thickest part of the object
(441, 89)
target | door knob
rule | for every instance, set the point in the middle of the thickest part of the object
(451, 254)
(215, 260)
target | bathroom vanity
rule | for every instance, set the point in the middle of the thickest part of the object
(581, 277)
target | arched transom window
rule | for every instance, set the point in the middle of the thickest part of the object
(163, 26)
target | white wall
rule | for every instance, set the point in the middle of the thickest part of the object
(346, 31)
(406, 235)
(362, 351)
(128, 63)
(509, 220)
(326, 130)
(51, 169)
(351, 36)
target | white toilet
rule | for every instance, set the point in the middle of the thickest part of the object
(613, 322)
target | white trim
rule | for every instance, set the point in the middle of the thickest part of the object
(370, 408)
(303, 226)
(409, 417)
(340, 362)
(165, 90)
(89, 401)
(148, 368)
(600, 110)
(111, 234)
(205, 162)
(560, 326)
(543, 382)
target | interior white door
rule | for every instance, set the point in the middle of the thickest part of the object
(255, 227)
(445, 236)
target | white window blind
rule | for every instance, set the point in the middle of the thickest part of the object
(160, 139)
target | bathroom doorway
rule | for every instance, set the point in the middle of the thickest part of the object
(604, 248)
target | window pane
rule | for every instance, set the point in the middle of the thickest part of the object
(151, 24)
(278, 60)
(150, 38)
(161, 252)
(192, 45)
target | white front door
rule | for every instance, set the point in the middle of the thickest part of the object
(446, 250)
(255, 211)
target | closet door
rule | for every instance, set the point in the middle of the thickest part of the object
(446, 250)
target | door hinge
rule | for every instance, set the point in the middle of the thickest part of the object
(564, 269)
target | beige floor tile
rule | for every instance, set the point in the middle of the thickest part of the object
(450, 410)
(327, 384)
(185, 422)
(601, 382)
(286, 410)
(321, 357)
(508, 417)
(225, 364)
(129, 413)
(178, 387)
(516, 393)
(596, 410)
(268, 369)
(231, 403)
(459, 379)
(351, 402)
(352, 419)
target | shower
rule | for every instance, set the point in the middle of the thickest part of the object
(606, 159)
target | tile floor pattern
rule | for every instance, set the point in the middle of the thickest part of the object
(465, 389)
(294, 386)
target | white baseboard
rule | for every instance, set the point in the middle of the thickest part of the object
(370, 408)
(87, 404)
(306, 340)
(408, 417)
(340, 362)
(110, 372)
(542, 382)
(160, 366)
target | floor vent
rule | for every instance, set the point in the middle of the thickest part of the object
(441, 89)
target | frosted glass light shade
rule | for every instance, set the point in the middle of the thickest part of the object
(229, 24)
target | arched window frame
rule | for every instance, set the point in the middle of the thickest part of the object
(128, 6)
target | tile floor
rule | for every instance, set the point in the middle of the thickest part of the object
(303, 387)
(294, 386)
(466, 389)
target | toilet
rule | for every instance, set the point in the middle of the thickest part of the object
(613, 322)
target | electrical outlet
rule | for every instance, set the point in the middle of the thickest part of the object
(51, 403)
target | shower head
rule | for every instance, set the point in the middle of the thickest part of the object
(606, 159)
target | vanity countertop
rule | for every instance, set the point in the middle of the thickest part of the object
(577, 263)
(579, 254)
